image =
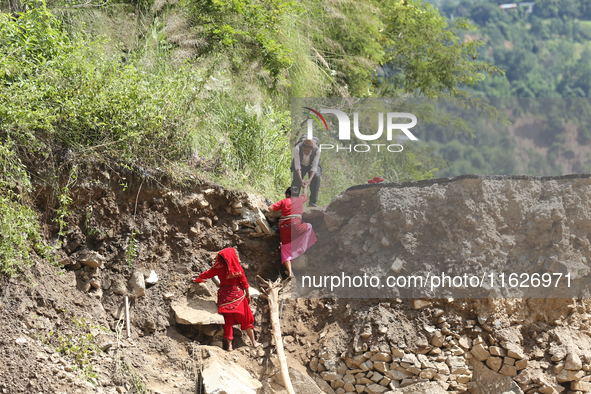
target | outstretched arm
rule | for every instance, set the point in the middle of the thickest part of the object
(276, 206)
(309, 181)
(304, 195)
(210, 273)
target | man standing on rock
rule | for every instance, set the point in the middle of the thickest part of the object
(306, 158)
(233, 294)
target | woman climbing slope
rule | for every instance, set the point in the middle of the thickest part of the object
(233, 294)
(296, 237)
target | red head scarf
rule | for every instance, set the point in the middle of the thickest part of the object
(228, 259)
(376, 179)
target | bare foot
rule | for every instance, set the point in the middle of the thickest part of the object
(229, 345)
(257, 344)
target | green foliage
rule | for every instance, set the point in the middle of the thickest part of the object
(544, 53)
(251, 26)
(29, 41)
(92, 105)
(79, 346)
(92, 230)
(19, 228)
(131, 251)
(64, 200)
(14, 179)
(250, 141)
(426, 56)
(345, 43)
(87, 102)
(223, 105)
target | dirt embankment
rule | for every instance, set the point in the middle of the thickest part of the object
(463, 227)
(56, 318)
(62, 326)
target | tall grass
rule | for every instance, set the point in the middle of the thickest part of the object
(248, 143)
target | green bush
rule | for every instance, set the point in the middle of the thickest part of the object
(152, 102)
(62, 93)
(29, 41)
(251, 26)
(18, 223)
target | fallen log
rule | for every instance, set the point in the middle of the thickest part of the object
(270, 291)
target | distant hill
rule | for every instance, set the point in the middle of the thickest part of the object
(545, 53)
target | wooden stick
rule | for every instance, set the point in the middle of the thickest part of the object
(127, 316)
(271, 291)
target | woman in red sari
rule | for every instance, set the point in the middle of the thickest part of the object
(296, 237)
(233, 294)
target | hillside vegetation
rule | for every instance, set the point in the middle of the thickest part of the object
(201, 89)
(545, 53)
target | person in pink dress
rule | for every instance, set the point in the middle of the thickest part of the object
(296, 237)
(233, 294)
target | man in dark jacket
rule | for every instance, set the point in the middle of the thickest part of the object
(306, 156)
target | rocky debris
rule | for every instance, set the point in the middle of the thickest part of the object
(196, 199)
(197, 312)
(301, 382)
(255, 219)
(463, 357)
(397, 265)
(379, 371)
(222, 377)
(118, 286)
(91, 259)
(254, 216)
(420, 304)
(421, 388)
(137, 284)
(200, 289)
(488, 381)
(541, 347)
(573, 362)
(254, 293)
(168, 296)
(151, 279)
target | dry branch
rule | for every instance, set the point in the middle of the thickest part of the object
(270, 291)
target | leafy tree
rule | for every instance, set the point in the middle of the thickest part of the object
(425, 55)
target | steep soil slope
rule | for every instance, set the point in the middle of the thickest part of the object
(62, 325)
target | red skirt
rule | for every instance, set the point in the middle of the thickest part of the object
(290, 226)
(296, 237)
(231, 300)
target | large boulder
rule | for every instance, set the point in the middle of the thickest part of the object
(221, 377)
(197, 312)
(301, 382)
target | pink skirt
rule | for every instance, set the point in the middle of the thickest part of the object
(298, 246)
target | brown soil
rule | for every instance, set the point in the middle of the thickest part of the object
(177, 235)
